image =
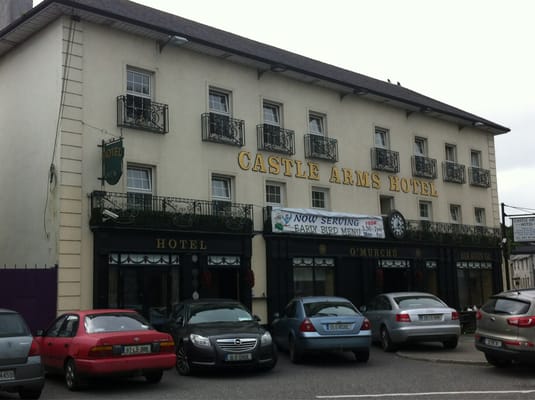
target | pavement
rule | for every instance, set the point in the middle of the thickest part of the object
(464, 353)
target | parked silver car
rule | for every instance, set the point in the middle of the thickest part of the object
(404, 317)
(322, 323)
(20, 360)
(505, 328)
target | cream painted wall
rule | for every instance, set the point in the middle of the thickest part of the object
(183, 163)
(30, 82)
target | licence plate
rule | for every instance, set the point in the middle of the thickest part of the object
(136, 349)
(336, 327)
(430, 317)
(7, 375)
(492, 342)
(239, 357)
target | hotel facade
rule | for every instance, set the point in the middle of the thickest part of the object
(154, 159)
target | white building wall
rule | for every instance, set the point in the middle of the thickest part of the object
(30, 81)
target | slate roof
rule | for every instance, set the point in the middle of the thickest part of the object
(152, 20)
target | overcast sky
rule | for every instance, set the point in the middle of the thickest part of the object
(477, 55)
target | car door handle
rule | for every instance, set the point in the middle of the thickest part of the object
(66, 345)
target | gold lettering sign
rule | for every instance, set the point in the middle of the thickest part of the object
(181, 244)
(373, 252)
(277, 165)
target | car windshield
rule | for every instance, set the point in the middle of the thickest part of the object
(329, 308)
(205, 313)
(408, 302)
(506, 306)
(12, 325)
(98, 323)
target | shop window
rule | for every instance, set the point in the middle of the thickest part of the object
(474, 282)
(430, 278)
(313, 276)
(139, 187)
(320, 198)
(275, 194)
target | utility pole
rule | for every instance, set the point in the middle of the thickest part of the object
(505, 248)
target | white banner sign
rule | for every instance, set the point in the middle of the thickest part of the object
(524, 229)
(316, 222)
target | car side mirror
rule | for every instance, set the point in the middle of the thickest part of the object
(363, 308)
(40, 332)
(276, 315)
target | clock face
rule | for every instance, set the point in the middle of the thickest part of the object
(397, 224)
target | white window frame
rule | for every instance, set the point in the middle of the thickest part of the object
(455, 213)
(317, 124)
(276, 113)
(314, 198)
(281, 193)
(450, 152)
(480, 216)
(381, 137)
(475, 158)
(215, 106)
(226, 182)
(420, 146)
(137, 189)
(383, 200)
(131, 75)
(423, 204)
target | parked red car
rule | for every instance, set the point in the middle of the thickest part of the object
(109, 342)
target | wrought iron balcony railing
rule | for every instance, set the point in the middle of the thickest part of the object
(142, 113)
(321, 147)
(479, 177)
(424, 167)
(385, 160)
(143, 210)
(223, 129)
(276, 139)
(453, 172)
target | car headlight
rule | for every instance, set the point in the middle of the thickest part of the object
(265, 339)
(199, 340)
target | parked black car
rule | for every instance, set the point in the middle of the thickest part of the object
(219, 333)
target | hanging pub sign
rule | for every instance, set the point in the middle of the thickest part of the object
(112, 161)
(318, 222)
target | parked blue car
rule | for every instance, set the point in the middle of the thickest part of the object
(322, 323)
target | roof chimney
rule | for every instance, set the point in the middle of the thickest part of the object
(10, 10)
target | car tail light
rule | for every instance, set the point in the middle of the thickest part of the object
(454, 315)
(167, 346)
(366, 326)
(101, 351)
(35, 349)
(522, 322)
(479, 315)
(307, 326)
(403, 318)
(518, 343)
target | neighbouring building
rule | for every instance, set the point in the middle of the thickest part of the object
(153, 159)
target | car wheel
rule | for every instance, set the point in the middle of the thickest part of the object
(295, 354)
(362, 355)
(72, 379)
(497, 362)
(29, 394)
(154, 376)
(182, 363)
(386, 342)
(450, 344)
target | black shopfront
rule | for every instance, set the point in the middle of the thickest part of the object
(151, 259)
(357, 268)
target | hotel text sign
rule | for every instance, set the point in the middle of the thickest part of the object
(276, 165)
(315, 222)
